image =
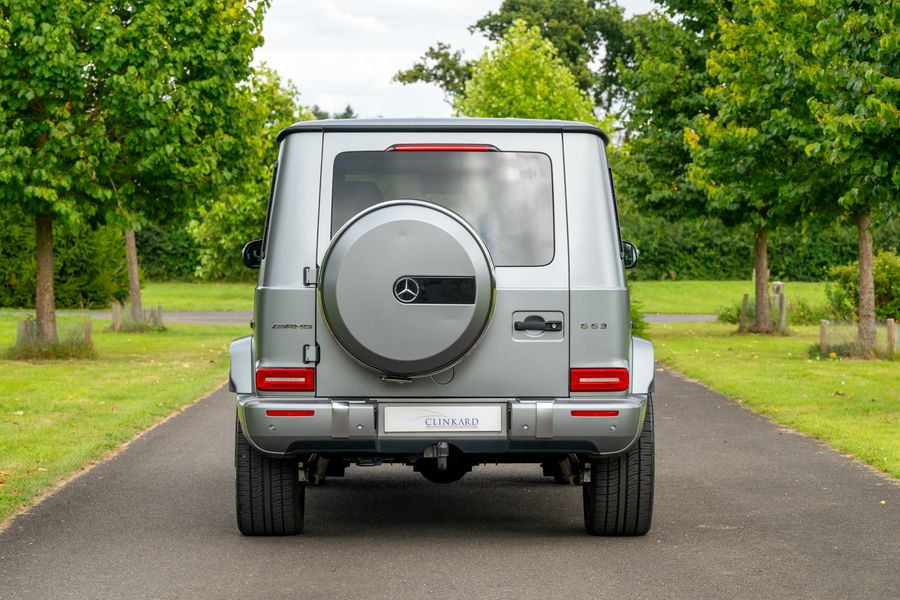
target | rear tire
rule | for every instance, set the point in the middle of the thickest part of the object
(618, 500)
(269, 496)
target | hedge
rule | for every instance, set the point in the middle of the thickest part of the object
(707, 250)
(89, 264)
(167, 254)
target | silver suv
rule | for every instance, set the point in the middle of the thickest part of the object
(442, 294)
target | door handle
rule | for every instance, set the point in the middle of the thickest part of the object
(537, 323)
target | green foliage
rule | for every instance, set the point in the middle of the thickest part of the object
(838, 351)
(222, 229)
(442, 66)
(589, 35)
(702, 249)
(842, 297)
(666, 87)
(592, 38)
(237, 215)
(524, 77)
(53, 142)
(638, 324)
(65, 349)
(800, 312)
(118, 106)
(89, 266)
(319, 113)
(705, 249)
(856, 100)
(347, 113)
(73, 343)
(167, 254)
(168, 74)
(118, 111)
(745, 156)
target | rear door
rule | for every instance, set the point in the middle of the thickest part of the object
(514, 196)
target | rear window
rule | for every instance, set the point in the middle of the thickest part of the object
(507, 197)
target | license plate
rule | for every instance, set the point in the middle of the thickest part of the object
(438, 419)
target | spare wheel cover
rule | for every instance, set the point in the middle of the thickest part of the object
(407, 288)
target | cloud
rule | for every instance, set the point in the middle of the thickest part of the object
(343, 52)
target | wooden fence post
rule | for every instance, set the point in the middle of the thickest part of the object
(116, 315)
(88, 332)
(891, 338)
(745, 303)
(782, 313)
(26, 331)
(823, 336)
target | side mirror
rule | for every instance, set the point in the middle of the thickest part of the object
(252, 254)
(629, 254)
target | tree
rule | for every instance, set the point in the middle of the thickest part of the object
(666, 94)
(319, 112)
(856, 101)
(585, 33)
(524, 77)
(54, 150)
(347, 113)
(442, 66)
(165, 85)
(315, 111)
(748, 156)
(266, 105)
(114, 110)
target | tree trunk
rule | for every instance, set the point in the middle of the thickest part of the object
(866, 330)
(44, 299)
(761, 270)
(134, 281)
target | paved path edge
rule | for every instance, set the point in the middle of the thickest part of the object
(106, 457)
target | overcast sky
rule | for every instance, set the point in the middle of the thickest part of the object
(341, 52)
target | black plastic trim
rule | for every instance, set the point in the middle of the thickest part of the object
(496, 448)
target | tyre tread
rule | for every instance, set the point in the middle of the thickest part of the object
(269, 497)
(618, 500)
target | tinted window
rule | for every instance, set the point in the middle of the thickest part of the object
(506, 196)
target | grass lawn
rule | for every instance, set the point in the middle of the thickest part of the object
(710, 296)
(56, 417)
(852, 405)
(199, 296)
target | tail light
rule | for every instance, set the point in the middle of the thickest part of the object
(286, 380)
(598, 380)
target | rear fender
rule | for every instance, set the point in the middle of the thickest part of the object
(642, 370)
(240, 378)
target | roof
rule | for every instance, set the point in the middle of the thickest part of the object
(500, 125)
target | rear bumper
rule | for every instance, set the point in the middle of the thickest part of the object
(353, 427)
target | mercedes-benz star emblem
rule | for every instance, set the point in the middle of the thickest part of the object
(406, 290)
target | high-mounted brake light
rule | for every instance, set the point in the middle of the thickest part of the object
(443, 148)
(286, 380)
(598, 380)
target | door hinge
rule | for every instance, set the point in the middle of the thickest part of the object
(311, 353)
(310, 276)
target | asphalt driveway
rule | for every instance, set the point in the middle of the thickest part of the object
(743, 509)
